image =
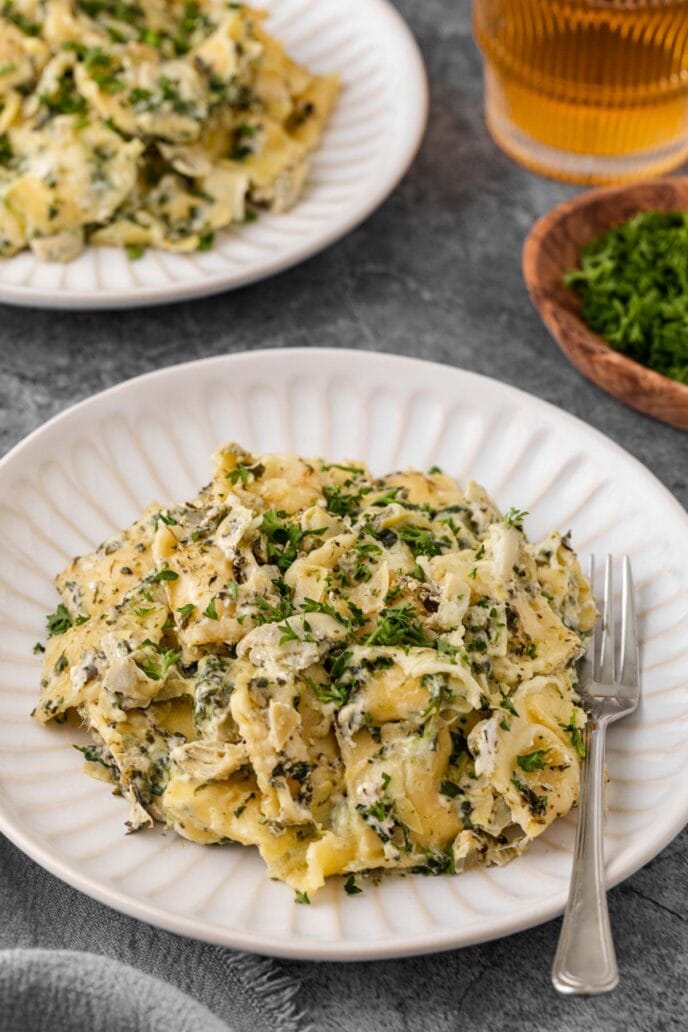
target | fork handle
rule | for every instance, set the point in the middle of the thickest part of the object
(585, 961)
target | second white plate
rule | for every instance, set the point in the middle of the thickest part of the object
(94, 468)
(371, 140)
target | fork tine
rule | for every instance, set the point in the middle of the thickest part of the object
(589, 664)
(606, 673)
(630, 659)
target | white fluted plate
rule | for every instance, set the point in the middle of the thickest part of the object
(94, 468)
(369, 143)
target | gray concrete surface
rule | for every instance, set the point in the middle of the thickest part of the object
(435, 273)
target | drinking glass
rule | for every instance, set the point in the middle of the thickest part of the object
(590, 91)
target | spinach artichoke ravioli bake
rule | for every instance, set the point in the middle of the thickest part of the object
(146, 123)
(349, 673)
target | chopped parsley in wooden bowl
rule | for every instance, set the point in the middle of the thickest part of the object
(633, 286)
(608, 273)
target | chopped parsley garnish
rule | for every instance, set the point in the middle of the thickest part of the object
(339, 664)
(101, 66)
(156, 669)
(439, 693)
(445, 648)
(59, 621)
(288, 634)
(193, 22)
(170, 94)
(399, 626)
(186, 611)
(389, 496)
(633, 286)
(515, 518)
(422, 542)
(245, 474)
(206, 239)
(9, 11)
(343, 503)
(135, 251)
(507, 704)
(534, 760)
(309, 605)
(301, 897)
(163, 575)
(448, 788)
(437, 863)
(342, 681)
(138, 97)
(350, 886)
(336, 692)
(366, 551)
(377, 812)
(118, 10)
(284, 539)
(355, 470)
(273, 614)
(576, 734)
(211, 610)
(65, 100)
(165, 518)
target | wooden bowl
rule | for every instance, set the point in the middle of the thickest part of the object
(553, 247)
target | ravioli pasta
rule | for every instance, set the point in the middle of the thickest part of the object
(146, 123)
(352, 674)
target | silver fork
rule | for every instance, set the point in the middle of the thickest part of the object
(585, 961)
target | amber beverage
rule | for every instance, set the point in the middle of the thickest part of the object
(592, 91)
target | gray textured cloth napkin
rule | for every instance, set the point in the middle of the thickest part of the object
(70, 964)
(63, 991)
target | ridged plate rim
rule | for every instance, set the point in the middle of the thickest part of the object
(379, 181)
(321, 360)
